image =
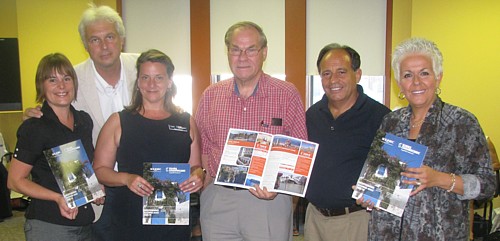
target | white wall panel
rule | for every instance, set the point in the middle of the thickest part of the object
(159, 24)
(269, 14)
(357, 23)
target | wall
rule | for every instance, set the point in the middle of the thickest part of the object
(167, 29)
(332, 21)
(8, 18)
(466, 31)
(9, 121)
(370, 24)
(401, 30)
(42, 27)
(468, 35)
(46, 31)
(224, 13)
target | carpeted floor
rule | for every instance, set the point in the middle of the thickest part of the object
(11, 229)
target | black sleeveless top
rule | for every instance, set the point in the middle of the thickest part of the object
(146, 140)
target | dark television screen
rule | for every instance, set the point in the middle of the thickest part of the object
(10, 76)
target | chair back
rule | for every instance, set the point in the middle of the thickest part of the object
(494, 156)
(5, 155)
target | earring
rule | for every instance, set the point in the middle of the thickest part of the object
(438, 91)
(401, 96)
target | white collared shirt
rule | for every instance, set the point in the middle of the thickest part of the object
(112, 98)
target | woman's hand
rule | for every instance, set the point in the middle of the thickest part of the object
(101, 200)
(195, 181)
(424, 177)
(139, 185)
(67, 212)
(192, 184)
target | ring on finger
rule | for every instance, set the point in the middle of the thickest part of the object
(194, 183)
(139, 185)
(419, 183)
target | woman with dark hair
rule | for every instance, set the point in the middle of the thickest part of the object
(151, 129)
(48, 217)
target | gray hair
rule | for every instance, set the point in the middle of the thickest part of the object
(245, 25)
(417, 46)
(94, 14)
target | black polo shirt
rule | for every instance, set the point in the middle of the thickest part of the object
(36, 135)
(343, 146)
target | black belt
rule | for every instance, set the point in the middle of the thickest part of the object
(330, 212)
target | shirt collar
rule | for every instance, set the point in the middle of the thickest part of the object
(237, 91)
(49, 113)
(433, 113)
(361, 100)
(259, 91)
(103, 85)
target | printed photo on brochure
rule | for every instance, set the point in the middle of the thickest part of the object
(380, 180)
(280, 163)
(74, 173)
(168, 205)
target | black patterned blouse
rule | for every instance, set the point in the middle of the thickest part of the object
(457, 145)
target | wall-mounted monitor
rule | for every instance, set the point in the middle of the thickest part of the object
(10, 76)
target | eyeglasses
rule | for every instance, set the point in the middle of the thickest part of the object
(250, 52)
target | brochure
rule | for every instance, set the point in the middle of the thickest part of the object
(380, 180)
(280, 163)
(168, 205)
(74, 174)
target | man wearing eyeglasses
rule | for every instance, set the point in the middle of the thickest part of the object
(251, 100)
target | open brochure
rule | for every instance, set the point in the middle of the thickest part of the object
(380, 180)
(280, 163)
(168, 205)
(74, 174)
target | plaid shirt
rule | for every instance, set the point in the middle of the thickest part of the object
(275, 107)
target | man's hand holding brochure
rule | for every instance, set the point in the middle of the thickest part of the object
(279, 163)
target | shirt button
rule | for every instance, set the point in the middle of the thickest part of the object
(244, 109)
(332, 128)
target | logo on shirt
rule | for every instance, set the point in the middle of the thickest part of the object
(177, 128)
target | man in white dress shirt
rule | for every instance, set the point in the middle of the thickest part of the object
(106, 78)
(105, 82)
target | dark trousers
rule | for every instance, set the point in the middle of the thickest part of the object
(5, 207)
